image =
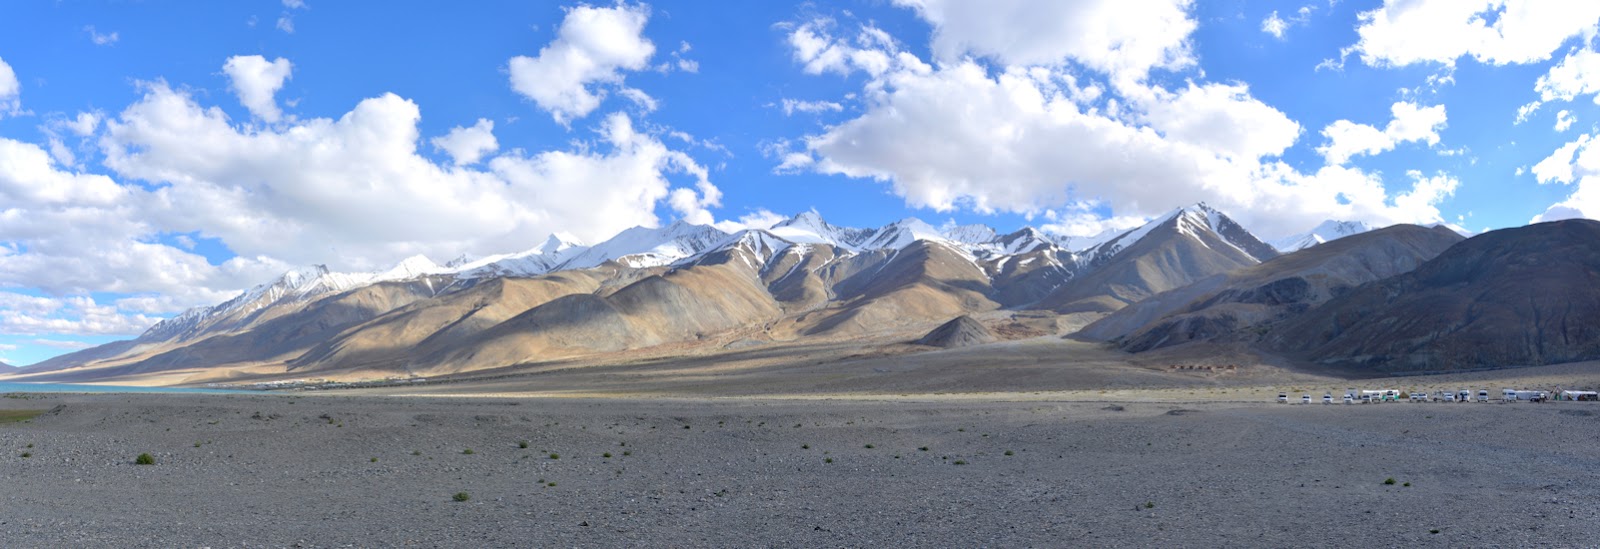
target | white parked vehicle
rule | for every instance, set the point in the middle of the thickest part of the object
(1483, 395)
(1327, 398)
(1349, 398)
(1283, 398)
(1305, 399)
(1419, 397)
(1464, 396)
(1448, 396)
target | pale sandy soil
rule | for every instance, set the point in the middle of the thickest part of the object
(1153, 468)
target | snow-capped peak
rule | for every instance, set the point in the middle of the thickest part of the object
(557, 243)
(1326, 231)
(809, 228)
(902, 233)
(970, 234)
(409, 268)
(1024, 240)
(647, 247)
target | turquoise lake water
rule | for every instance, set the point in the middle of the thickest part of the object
(12, 387)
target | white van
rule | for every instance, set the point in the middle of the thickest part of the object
(1483, 395)
(1283, 398)
(1349, 398)
(1464, 396)
(1305, 399)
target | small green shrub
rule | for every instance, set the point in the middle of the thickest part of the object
(922, 448)
(468, 451)
(1389, 481)
(145, 459)
(869, 446)
(373, 460)
(606, 455)
(827, 460)
(1149, 505)
(1010, 453)
(27, 454)
(522, 444)
(961, 462)
(554, 455)
(461, 496)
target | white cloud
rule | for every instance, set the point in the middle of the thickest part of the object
(84, 124)
(1564, 120)
(358, 181)
(592, 47)
(286, 23)
(1274, 25)
(466, 146)
(10, 91)
(78, 315)
(255, 80)
(1222, 118)
(101, 39)
(791, 106)
(1577, 74)
(1029, 140)
(1575, 163)
(1121, 38)
(1410, 123)
(294, 4)
(759, 219)
(1499, 32)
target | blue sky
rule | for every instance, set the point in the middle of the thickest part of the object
(158, 156)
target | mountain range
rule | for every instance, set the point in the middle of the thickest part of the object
(1186, 279)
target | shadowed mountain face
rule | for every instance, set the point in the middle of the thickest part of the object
(1514, 297)
(963, 331)
(1241, 305)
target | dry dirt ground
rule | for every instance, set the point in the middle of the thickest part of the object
(957, 471)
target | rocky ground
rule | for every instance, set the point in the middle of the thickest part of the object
(367, 471)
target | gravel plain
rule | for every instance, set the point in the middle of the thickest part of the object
(372, 471)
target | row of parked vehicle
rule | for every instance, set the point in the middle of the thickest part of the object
(1393, 395)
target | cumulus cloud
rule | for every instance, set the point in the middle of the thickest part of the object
(1576, 75)
(963, 134)
(79, 315)
(282, 193)
(1121, 38)
(1564, 120)
(1575, 163)
(10, 91)
(1411, 122)
(1499, 32)
(466, 146)
(255, 80)
(1222, 118)
(592, 48)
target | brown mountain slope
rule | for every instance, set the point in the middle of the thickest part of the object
(443, 320)
(1514, 297)
(272, 336)
(1235, 305)
(1176, 253)
(715, 295)
(926, 280)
